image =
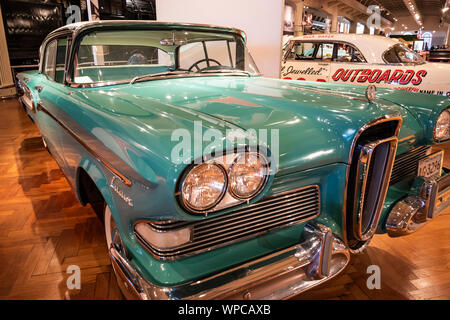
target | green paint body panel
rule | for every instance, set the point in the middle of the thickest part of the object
(317, 123)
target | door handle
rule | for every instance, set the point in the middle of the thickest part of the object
(38, 88)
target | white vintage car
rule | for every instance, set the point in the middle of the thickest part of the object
(363, 59)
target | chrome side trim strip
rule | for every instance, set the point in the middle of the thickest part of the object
(101, 153)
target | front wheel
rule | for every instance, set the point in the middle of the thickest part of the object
(112, 233)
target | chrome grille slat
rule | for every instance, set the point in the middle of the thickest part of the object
(199, 235)
(247, 228)
(277, 211)
(236, 235)
(407, 164)
(253, 208)
(254, 214)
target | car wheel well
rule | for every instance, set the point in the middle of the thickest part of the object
(89, 193)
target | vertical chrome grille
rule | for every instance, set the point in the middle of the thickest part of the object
(369, 173)
(375, 165)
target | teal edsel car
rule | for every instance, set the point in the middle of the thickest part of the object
(260, 220)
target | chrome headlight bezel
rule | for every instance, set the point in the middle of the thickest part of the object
(228, 198)
(447, 136)
(218, 199)
(265, 166)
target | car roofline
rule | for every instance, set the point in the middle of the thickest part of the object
(78, 27)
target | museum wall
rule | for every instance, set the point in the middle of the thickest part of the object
(261, 20)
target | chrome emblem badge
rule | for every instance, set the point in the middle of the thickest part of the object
(119, 192)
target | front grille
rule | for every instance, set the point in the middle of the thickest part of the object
(407, 164)
(268, 214)
(368, 177)
(374, 185)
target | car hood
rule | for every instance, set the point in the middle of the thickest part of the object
(316, 124)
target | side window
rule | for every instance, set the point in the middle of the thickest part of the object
(50, 60)
(60, 59)
(54, 60)
(324, 52)
(390, 56)
(348, 53)
(302, 51)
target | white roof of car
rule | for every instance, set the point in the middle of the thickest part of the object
(371, 46)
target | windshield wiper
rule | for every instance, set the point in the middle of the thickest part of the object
(152, 75)
(226, 71)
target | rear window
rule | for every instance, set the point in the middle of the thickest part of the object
(399, 53)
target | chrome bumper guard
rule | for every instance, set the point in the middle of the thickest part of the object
(319, 257)
(413, 212)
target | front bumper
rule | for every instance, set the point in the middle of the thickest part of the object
(415, 211)
(317, 258)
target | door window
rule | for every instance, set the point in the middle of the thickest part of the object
(302, 51)
(60, 59)
(348, 53)
(54, 59)
(50, 60)
(325, 52)
(310, 51)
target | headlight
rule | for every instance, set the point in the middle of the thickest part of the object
(224, 181)
(247, 175)
(204, 186)
(442, 127)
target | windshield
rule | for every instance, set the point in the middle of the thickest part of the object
(127, 54)
(400, 53)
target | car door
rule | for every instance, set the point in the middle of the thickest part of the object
(50, 92)
(307, 60)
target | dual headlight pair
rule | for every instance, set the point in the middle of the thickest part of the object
(442, 127)
(223, 182)
(212, 185)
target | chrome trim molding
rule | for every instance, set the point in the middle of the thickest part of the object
(319, 257)
(110, 160)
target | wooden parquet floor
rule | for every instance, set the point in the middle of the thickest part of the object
(43, 230)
